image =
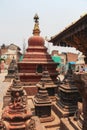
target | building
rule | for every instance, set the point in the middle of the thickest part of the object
(75, 36)
(8, 52)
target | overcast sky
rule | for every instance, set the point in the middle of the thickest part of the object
(16, 17)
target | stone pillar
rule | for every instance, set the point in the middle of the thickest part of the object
(81, 83)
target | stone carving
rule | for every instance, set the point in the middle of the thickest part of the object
(18, 100)
(31, 124)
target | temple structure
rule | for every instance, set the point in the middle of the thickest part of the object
(16, 114)
(36, 59)
(43, 104)
(68, 96)
(79, 120)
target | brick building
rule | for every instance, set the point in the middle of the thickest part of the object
(7, 53)
(71, 57)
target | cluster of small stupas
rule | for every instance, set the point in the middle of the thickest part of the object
(37, 72)
(17, 115)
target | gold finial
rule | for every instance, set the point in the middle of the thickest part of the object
(36, 30)
(36, 18)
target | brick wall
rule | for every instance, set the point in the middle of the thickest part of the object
(72, 57)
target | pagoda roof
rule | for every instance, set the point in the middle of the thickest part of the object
(75, 35)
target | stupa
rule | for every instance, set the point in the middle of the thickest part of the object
(17, 113)
(79, 120)
(43, 104)
(50, 86)
(68, 96)
(36, 59)
(12, 70)
(18, 85)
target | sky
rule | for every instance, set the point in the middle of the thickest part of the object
(16, 18)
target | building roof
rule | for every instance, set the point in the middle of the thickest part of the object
(75, 35)
(12, 46)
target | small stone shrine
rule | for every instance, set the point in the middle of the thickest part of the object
(16, 114)
(50, 86)
(12, 70)
(16, 84)
(43, 104)
(79, 120)
(68, 96)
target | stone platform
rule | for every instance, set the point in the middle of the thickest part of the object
(69, 124)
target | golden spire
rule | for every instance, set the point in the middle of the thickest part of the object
(36, 30)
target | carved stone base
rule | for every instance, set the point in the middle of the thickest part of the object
(47, 119)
